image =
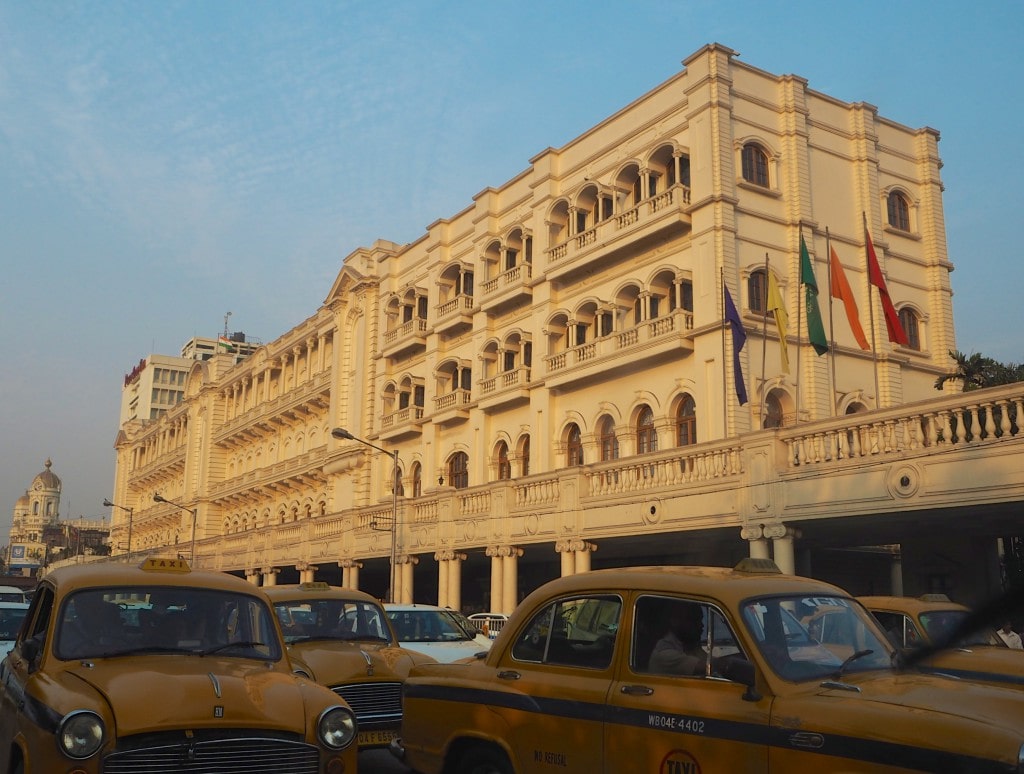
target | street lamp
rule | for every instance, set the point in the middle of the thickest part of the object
(344, 435)
(159, 498)
(131, 512)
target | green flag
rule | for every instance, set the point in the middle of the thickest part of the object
(815, 330)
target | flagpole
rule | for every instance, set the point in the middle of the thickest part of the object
(764, 342)
(725, 378)
(871, 309)
(799, 344)
(831, 321)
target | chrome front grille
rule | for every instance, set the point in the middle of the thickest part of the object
(375, 704)
(245, 755)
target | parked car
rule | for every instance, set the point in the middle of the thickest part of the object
(12, 594)
(342, 639)
(489, 624)
(436, 632)
(161, 668)
(12, 615)
(915, 622)
(586, 678)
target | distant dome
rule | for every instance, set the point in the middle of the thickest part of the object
(47, 479)
(23, 501)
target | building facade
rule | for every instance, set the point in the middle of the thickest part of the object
(553, 364)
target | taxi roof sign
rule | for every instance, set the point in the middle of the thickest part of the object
(314, 586)
(757, 566)
(157, 564)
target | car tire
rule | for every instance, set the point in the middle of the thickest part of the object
(485, 760)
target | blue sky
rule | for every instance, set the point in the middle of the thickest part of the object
(164, 163)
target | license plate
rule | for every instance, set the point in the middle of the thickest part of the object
(371, 738)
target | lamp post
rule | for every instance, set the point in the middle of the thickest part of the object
(344, 435)
(159, 498)
(131, 512)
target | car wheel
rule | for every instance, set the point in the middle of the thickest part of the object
(485, 760)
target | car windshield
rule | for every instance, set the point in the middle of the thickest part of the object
(122, 621)
(814, 638)
(331, 619)
(11, 619)
(428, 626)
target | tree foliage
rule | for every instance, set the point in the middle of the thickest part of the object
(975, 371)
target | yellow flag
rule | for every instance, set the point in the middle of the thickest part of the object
(776, 307)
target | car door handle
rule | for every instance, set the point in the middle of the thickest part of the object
(509, 674)
(637, 690)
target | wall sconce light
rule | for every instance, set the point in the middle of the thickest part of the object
(440, 480)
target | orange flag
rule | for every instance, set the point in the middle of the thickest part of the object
(841, 290)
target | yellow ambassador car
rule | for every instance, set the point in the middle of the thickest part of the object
(157, 668)
(682, 670)
(343, 639)
(915, 621)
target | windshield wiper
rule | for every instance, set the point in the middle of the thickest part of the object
(142, 649)
(838, 674)
(227, 645)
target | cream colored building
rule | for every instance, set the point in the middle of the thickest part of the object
(553, 368)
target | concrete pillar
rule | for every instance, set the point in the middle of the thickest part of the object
(564, 548)
(758, 546)
(896, 576)
(510, 578)
(455, 581)
(442, 557)
(782, 546)
(405, 579)
(270, 575)
(497, 593)
(253, 577)
(583, 552)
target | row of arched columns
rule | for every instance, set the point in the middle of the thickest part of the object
(766, 541)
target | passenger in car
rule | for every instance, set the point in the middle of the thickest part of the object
(679, 650)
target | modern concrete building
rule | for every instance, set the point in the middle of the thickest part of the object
(157, 383)
(554, 368)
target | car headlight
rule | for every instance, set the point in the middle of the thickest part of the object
(80, 734)
(336, 727)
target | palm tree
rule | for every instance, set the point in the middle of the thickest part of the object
(976, 371)
(973, 371)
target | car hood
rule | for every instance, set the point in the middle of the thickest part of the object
(334, 661)
(933, 693)
(163, 692)
(446, 652)
(984, 663)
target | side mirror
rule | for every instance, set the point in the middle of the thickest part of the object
(30, 650)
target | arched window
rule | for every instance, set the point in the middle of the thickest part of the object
(911, 326)
(502, 463)
(757, 292)
(773, 412)
(417, 480)
(646, 435)
(399, 484)
(458, 470)
(574, 446)
(899, 211)
(608, 441)
(755, 164)
(686, 422)
(524, 456)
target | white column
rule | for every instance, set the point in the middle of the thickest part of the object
(758, 545)
(443, 558)
(253, 577)
(406, 585)
(269, 576)
(497, 595)
(510, 578)
(782, 546)
(583, 551)
(896, 575)
(455, 581)
(564, 547)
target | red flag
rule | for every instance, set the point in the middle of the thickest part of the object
(892, 319)
(841, 290)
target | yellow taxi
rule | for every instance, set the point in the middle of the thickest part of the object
(912, 622)
(159, 668)
(343, 639)
(683, 670)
